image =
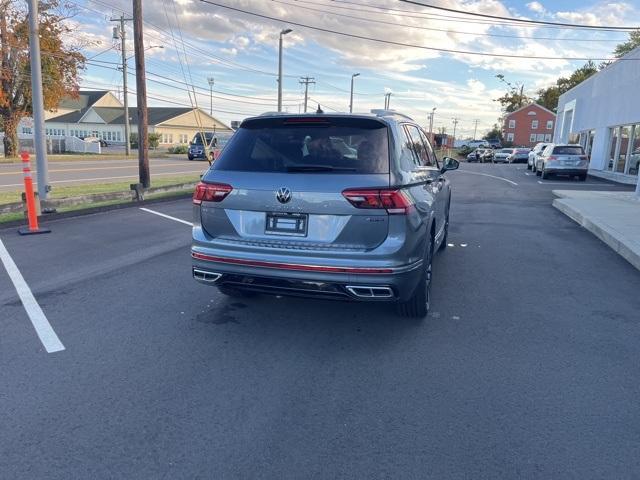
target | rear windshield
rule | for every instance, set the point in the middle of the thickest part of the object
(340, 145)
(197, 139)
(522, 150)
(568, 150)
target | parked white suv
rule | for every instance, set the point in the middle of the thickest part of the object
(537, 150)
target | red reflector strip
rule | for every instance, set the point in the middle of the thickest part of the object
(290, 266)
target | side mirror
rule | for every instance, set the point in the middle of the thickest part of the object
(449, 164)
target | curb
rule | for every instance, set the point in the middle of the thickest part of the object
(93, 210)
(605, 233)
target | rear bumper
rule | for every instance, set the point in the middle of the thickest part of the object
(369, 283)
(566, 170)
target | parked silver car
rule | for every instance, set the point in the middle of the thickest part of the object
(562, 159)
(537, 150)
(502, 155)
(283, 211)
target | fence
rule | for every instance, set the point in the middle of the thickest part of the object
(55, 144)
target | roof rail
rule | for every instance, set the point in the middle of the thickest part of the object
(381, 112)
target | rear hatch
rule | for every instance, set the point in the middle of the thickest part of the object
(285, 179)
(569, 156)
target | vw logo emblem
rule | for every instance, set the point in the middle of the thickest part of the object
(283, 195)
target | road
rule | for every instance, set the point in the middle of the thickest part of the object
(99, 171)
(527, 366)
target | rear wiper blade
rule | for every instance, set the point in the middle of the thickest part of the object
(318, 168)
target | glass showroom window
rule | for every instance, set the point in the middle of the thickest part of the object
(633, 165)
(621, 153)
(613, 145)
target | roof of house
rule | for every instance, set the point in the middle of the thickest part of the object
(115, 115)
(84, 100)
(531, 105)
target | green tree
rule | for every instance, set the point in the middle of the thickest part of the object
(515, 97)
(61, 63)
(494, 133)
(154, 140)
(625, 47)
(548, 97)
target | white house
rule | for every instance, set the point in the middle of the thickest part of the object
(603, 115)
(100, 114)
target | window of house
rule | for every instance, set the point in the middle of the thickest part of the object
(534, 124)
(547, 137)
(532, 138)
(549, 124)
(510, 137)
(184, 138)
(512, 124)
(540, 137)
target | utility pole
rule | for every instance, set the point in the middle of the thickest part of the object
(306, 81)
(455, 124)
(387, 100)
(351, 96)
(282, 33)
(475, 128)
(211, 81)
(121, 33)
(37, 102)
(141, 88)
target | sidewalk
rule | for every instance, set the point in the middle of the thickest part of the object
(613, 217)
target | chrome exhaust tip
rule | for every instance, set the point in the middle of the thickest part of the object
(205, 276)
(364, 291)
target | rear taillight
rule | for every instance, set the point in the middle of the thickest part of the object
(395, 202)
(210, 192)
(584, 157)
(552, 158)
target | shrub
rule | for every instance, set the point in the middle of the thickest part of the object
(179, 149)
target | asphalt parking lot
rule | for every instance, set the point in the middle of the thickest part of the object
(527, 366)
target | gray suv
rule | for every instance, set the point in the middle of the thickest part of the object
(321, 205)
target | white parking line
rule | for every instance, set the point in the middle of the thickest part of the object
(487, 175)
(43, 328)
(167, 216)
(567, 183)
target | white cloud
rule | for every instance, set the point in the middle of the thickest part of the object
(536, 7)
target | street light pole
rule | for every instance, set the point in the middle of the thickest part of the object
(431, 115)
(351, 96)
(211, 83)
(37, 101)
(282, 33)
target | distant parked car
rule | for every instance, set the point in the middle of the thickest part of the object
(537, 150)
(519, 155)
(198, 148)
(102, 142)
(634, 162)
(562, 159)
(494, 143)
(479, 155)
(475, 144)
(487, 155)
(502, 155)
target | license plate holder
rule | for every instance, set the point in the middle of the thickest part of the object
(284, 223)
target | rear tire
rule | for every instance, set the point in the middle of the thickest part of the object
(235, 293)
(418, 305)
(544, 174)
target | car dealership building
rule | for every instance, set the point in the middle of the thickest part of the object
(603, 115)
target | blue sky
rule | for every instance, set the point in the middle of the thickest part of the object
(240, 52)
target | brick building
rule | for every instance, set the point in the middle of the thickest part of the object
(529, 125)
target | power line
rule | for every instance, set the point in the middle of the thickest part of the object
(401, 44)
(445, 30)
(519, 20)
